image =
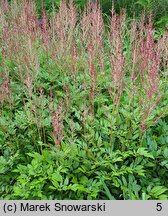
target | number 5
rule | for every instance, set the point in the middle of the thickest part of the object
(159, 207)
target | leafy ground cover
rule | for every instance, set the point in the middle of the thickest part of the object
(83, 105)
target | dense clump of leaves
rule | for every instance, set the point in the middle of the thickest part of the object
(73, 173)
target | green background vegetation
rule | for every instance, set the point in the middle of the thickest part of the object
(158, 7)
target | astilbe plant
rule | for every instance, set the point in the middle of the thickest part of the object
(116, 55)
(5, 91)
(149, 56)
(57, 124)
(146, 55)
(62, 26)
(88, 91)
(92, 27)
(71, 56)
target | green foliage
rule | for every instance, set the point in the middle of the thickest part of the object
(101, 175)
(104, 152)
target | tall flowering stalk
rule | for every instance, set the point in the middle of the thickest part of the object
(135, 52)
(92, 30)
(116, 55)
(74, 61)
(57, 125)
(149, 72)
(163, 49)
(151, 62)
(44, 30)
(63, 25)
(5, 91)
